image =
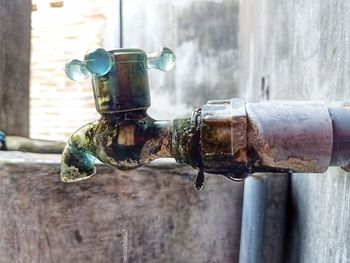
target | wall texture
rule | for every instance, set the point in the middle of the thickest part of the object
(14, 66)
(203, 35)
(300, 50)
(59, 106)
(152, 214)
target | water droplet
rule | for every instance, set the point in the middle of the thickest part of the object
(199, 182)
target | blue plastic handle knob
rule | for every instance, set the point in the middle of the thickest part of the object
(98, 61)
(164, 59)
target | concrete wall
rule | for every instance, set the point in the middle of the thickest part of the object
(203, 35)
(14, 66)
(152, 214)
(300, 50)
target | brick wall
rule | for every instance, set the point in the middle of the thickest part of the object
(62, 31)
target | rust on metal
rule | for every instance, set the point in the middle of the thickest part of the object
(227, 136)
(291, 135)
(125, 144)
(223, 131)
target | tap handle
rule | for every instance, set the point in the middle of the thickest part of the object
(96, 62)
(76, 70)
(164, 59)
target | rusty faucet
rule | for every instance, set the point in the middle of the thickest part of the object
(229, 137)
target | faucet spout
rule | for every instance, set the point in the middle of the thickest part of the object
(132, 140)
(78, 161)
(125, 137)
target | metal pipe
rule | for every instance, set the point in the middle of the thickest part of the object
(291, 135)
(264, 218)
(121, 29)
(18, 143)
(229, 137)
(341, 136)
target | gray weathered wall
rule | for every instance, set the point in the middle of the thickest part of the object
(203, 35)
(152, 214)
(301, 49)
(14, 66)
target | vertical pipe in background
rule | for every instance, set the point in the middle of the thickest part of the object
(253, 220)
(263, 218)
(121, 23)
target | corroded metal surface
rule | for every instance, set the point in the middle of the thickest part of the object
(236, 139)
(291, 135)
(223, 130)
(185, 139)
(125, 137)
(226, 137)
(125, 144)
(125, 86)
